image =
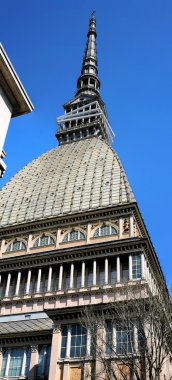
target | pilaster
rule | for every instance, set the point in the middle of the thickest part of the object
(55, 352)
(29, 243)
(33, 362)
(66, 369)
(88, 232)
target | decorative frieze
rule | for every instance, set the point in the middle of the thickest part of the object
(124, 226)
(71, 220)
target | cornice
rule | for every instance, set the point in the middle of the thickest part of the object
(89, 251)
(57, 256)
(70, 219)
(64, 295)
(33, 338)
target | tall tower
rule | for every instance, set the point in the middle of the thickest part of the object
(71, 231)
(85, 115)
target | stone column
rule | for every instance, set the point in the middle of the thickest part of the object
(49, 279)
(118, 269)
(24, 362)
(60, 277)
(8, 362)
(18, 283)
(71, 276)
(88, 347)
(33, 362)
(38, 280)
(28, 281)
(120, 228)
(8, 285)
(106, 271)
(114, 337)
(94, 273)
(130, 267)
(55, 352)
(68, 342)
(83, 275)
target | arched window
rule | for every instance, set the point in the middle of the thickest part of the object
(16, 246)
(44, 241)
(73, 236)
(106, 230)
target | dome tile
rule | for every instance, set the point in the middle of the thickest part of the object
(82, 175)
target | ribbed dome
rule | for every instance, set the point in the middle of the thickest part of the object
(71, 178)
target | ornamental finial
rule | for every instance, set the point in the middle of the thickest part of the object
(93, 14)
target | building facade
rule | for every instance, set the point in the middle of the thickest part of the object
(14, 100)
(70, 230)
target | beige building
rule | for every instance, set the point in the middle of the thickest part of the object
(71, 231)
(14, 100)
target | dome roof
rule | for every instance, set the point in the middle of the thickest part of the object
(71, 178)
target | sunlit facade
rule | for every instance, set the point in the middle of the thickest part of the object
(70, 230)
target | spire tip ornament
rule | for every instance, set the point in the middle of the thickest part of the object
(93, 14)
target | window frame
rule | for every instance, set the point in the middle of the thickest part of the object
(99, 231)
(22, 246)
(80, 236)
(136, 266)
(38, 244)
(16, 357)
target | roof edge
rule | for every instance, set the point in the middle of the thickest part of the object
(13, 87)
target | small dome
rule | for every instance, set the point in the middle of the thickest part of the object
(71, 178)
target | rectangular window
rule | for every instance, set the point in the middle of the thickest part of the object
(136, 266)
(64, 342)
(113, 274)
(78, 279)
(40, 361)
(90, 277)
(47, 361)
(78, 341)
(124, 269)
(124, 338)
(67, 285)
(16, 359)
(101, 276)
(109, 338)
(43, 361)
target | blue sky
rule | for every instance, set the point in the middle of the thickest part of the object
(45, 40)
